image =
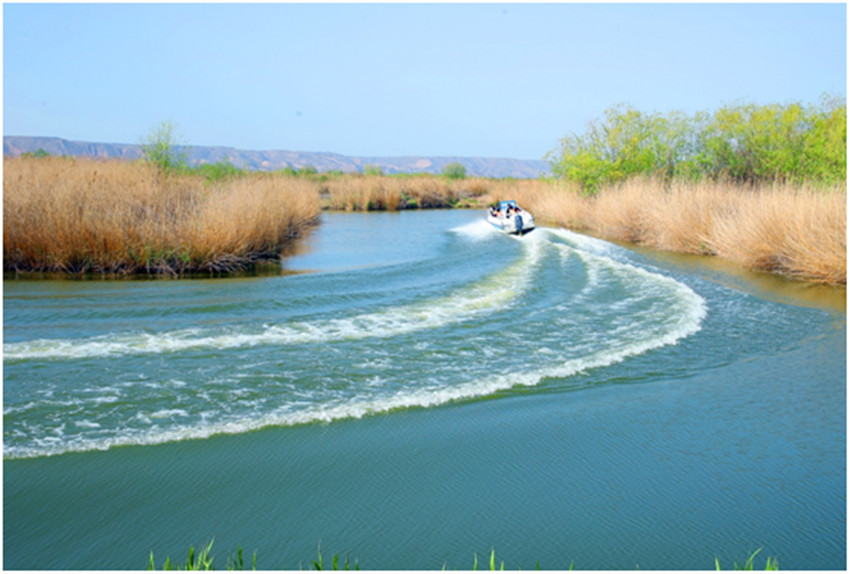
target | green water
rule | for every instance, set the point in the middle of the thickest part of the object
(414, 388)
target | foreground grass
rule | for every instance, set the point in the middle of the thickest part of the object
(203, 560)
(794, 230)
(86, 216)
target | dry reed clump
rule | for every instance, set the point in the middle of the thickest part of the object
(550, 202)
(427, 192)
(622, 212)
(680, 217)
(795, 231)
(382, 193)
(82, 216)
(363, 193)
(799, 232)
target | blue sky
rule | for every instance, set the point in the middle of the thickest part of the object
(497, 80)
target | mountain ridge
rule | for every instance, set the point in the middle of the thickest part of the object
(272, 160)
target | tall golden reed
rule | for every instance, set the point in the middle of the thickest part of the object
(796, 231)
(80, 215)
(380, 193)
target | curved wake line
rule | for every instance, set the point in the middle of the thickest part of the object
(423, 398)
(688, 323)
(493, 293)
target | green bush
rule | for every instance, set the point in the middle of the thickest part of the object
(39, 153)
(219, 171)
(162, 149)
(454, 170)
(744, 143)
(370, 169)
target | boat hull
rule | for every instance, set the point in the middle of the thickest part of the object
(510, 225)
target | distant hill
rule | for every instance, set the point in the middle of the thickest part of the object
(14, 146)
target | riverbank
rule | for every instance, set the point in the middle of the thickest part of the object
(79, 216)
(84, 216)
(796, 231)
(340, 390)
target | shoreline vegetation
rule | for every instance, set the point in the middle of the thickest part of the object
(86, 216)
(761, 186)
(798, 231)
(79, 216)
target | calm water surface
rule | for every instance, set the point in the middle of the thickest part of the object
(417, 388)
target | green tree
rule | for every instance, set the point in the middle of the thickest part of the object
(454, 170)
(745, 143)
(824, 155)
(371, 169)
(221, 170)
(163, 148)
(39, 153)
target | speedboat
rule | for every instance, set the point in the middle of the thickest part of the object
(510, 218)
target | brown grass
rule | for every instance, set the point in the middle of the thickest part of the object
(796, 232)
(116, 217)
(81, 216)
(792, 230)
(379, 193)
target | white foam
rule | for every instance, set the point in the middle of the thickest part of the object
(168, 413)
(688, 312)
(493, 293)
(87, 424)
(477, 230)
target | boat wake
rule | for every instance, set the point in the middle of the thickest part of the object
(557, 304)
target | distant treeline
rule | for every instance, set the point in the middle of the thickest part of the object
(740, 143)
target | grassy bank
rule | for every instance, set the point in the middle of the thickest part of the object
(797, 230)
(794, 230)
(377, 192)
(86, 216)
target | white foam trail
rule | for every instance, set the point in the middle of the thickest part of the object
(493, 293)
(359, 408)
(690, 312)
(587, 243)
(477, 230)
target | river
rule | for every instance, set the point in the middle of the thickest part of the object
(415, 388)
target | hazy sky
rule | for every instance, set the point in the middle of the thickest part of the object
(500, 80)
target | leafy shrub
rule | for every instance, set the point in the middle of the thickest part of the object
(161, 148)
(743, 143)
(454, 170)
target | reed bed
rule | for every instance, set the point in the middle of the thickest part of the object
(81, 216)
(382, 193)
(794, 230)
(86, 216)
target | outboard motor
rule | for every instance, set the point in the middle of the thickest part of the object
(518, 224)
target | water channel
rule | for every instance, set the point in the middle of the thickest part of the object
(415, 388)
